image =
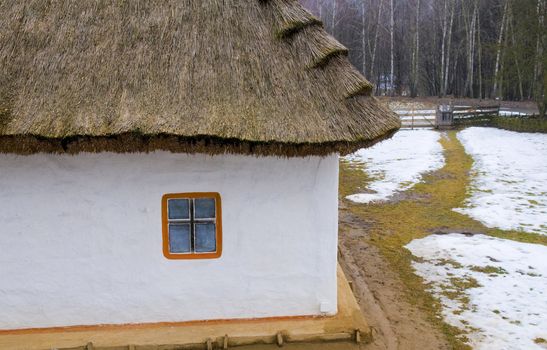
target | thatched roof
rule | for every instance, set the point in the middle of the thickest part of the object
(242, 76)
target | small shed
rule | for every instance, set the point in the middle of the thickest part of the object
(172, 160)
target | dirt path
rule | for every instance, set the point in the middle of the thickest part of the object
(372, 239)
(396, 324)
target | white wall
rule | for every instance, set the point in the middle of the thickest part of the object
(81, 241)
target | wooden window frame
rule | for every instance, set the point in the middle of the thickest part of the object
(165, 225)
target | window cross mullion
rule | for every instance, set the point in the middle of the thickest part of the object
(192, 227)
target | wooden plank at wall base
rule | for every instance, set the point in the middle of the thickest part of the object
(210, 344)
(279, 339)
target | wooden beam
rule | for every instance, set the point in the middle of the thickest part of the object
(279, 337)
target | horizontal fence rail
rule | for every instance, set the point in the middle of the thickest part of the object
(453, 115)
(417, 118)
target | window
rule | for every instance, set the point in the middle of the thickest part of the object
(192, 225)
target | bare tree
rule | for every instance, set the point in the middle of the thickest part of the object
(416, 52)
(363, 36)
(471, 35)
(391, 43)
(333, 27)
(511, 29)
(539, 74)
(375, 42)
(444, 29)
(473, 48)
(478, 30)
(448, 51)
(498, 51)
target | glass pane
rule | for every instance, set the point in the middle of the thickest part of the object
(206, 237)
(178, 208)
(204, 208)
(179, 238)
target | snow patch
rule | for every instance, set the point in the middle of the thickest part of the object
(503, 304)
(510, 113)
(397, 164)
(509, 179)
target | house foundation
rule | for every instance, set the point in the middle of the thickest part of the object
(348, 325)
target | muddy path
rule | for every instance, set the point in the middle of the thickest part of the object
(395, 322)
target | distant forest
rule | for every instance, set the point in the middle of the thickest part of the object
(465, 48)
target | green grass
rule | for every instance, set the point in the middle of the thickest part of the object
(427, 210)
(489, 270)
(519, 124)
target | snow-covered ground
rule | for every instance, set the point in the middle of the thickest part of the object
(398, 163)
(495, 289)
(509, 180)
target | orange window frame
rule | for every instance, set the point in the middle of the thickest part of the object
(165, 225)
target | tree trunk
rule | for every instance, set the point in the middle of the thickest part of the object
(471, 53)
(392, 58)
(333, 17)
(416, 52)
(321, 9)
(375, 43)
(498, 51)
(363, 38)
(443, 41)
(540, 79)
(448, 50)
(511, 27)
(480, 53)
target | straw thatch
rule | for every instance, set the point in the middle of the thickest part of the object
(214, 76)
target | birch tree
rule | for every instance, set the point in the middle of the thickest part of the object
(444, 30)
(467, 48)
(448, 50)
(375, 42)
(391, 43)
(416, 52)
(471, 35)
(363, 36)
(498, 51)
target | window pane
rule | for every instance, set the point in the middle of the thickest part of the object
(179, 238)
(204, 208)
(178, 208)
(206, 237)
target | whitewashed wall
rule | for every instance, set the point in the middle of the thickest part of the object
(80, 239)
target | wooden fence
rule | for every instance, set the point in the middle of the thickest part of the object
(444, 116)
(417, 118)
